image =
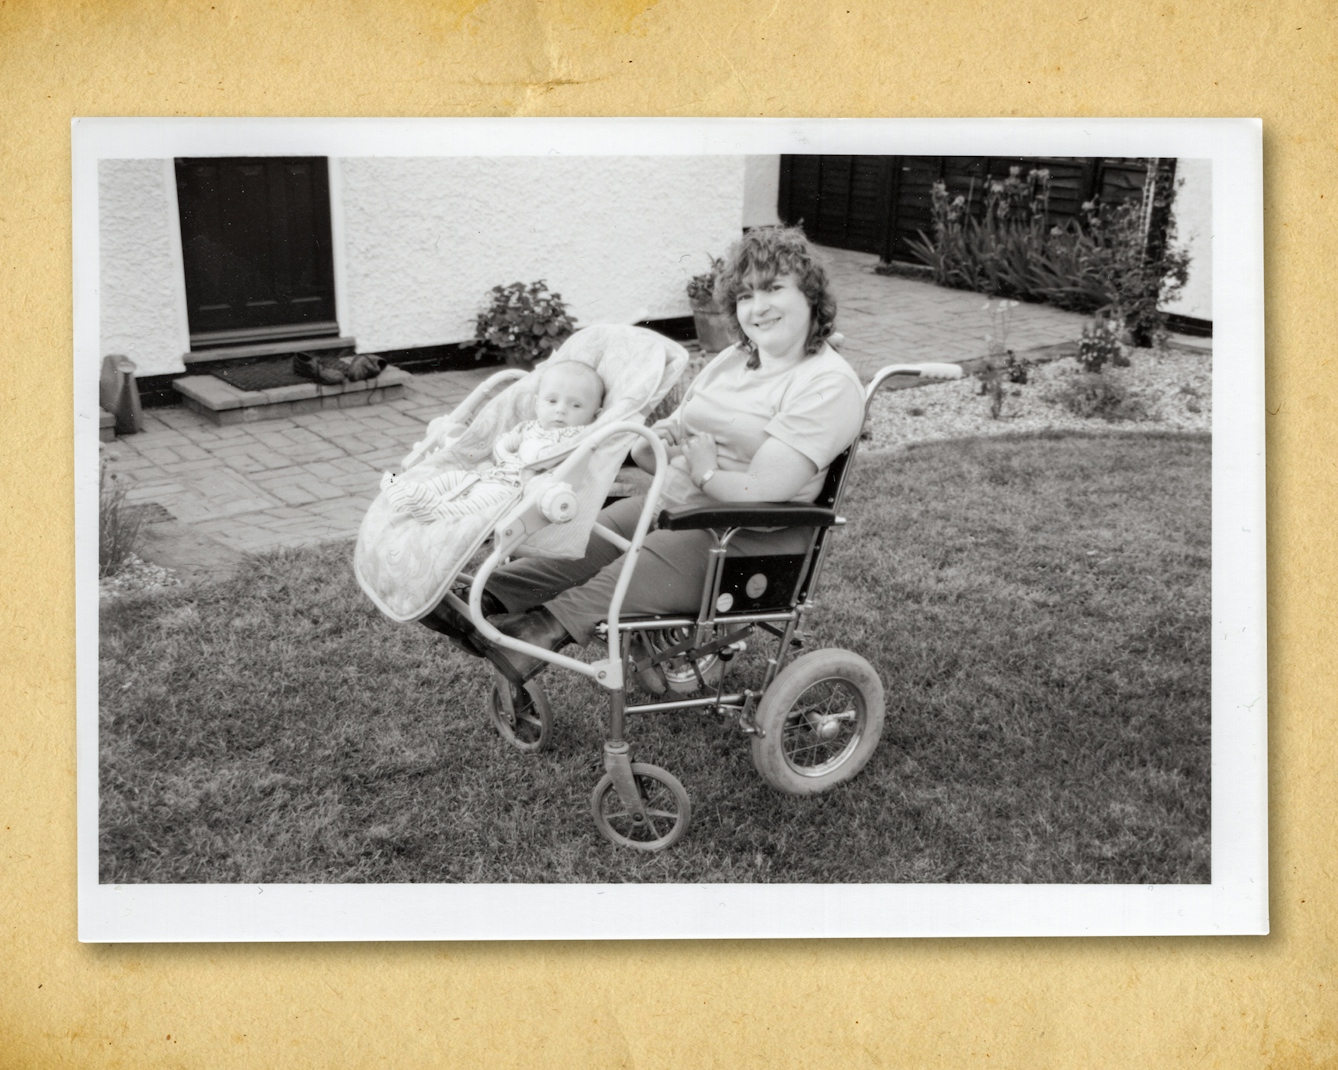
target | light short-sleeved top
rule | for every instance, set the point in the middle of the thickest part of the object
(815, 407)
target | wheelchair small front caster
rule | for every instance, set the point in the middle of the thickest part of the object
(522, 717)
(659, 817)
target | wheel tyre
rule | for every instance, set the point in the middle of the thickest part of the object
(834, 691)
(665, 798)
(530, 727)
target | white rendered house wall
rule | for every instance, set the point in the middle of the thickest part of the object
(142, 294)
(1193, 213)
(761, 191)
(425, 239)
(419, 243)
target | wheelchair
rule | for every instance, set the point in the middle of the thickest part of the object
(813, 720)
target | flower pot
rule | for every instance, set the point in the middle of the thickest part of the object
(713, 328)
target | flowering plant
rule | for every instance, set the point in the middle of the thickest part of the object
(701, 288)
(526, 323)
(1100, 345)
(1109, 260)
(987, 247)
(1001, 363)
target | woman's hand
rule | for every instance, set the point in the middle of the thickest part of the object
(669, 436)
(700, 451)
(642, 454)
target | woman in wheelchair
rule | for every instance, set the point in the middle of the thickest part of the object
(761, 423)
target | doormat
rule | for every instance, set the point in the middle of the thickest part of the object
(262, 374)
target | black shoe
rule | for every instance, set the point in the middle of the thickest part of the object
(324, 371)
(457, 627)
(538, 627)
(364, 366)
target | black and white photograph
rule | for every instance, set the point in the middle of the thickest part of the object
(669, 528)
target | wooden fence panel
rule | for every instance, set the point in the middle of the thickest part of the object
(878, 204)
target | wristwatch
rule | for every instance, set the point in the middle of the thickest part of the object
(706, 478)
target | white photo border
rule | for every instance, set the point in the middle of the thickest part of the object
(1236, 902)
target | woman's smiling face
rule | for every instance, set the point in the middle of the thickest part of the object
(775, 315)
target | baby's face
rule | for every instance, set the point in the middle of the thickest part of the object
(568, 398)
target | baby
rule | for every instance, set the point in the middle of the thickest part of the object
(569, 398)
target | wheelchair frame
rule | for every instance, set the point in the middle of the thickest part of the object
(643, 806)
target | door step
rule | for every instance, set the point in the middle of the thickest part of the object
(224, 404)
(268, 349)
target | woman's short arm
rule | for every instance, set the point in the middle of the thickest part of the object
(777, 474)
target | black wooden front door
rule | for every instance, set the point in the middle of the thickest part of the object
(255, 238)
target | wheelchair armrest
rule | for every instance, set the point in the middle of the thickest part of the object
(747, 515)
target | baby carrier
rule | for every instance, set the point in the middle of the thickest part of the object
(406, 566)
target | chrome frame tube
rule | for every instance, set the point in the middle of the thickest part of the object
(734, 701)
(611, 536)
(514, 527)
(777, 663)
(463, 414)
(480, 393)
(715, 573)
(656, 623)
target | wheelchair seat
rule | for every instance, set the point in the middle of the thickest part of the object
(770, 582)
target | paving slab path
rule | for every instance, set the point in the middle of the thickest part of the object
(303, 479)
(284, 482)
(888, 319)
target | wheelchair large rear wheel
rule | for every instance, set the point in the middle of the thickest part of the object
(819, 722)
(666, 804)
(526, 721)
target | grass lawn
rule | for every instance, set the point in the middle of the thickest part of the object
(1037, 607)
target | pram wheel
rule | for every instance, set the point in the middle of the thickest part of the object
(522, 718)
(667, 810)
(818, 722)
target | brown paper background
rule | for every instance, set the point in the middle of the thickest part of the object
(1228, 1002)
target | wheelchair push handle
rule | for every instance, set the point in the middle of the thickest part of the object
(928, 370)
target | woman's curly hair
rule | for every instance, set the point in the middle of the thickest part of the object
(763, 253)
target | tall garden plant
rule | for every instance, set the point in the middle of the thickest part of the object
(1101, 262)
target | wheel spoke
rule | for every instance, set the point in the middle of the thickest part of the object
(652, 828)
(523, 721)
(656, 823)
(818, 722)
(824, 703)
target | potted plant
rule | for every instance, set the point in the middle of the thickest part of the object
(525, 323)
(714, 324)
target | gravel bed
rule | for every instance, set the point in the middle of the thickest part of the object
(1174, 387)
(136, 575)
